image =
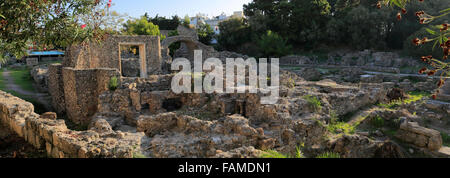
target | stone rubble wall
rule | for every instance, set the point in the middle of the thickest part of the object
(373, 61)
(40, 77)
(81, 90)
(45, 132)
(56, 88)
(106, 54)
(411, 132)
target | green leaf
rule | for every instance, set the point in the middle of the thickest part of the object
(445, 10)
(435, 43)
(430, 31)
(2, 16)
(397, 3)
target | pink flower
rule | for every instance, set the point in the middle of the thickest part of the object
(83, 26)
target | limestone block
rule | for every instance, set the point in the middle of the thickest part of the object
(135, 96)
(49, 115)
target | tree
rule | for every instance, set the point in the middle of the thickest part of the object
(24, 21)
(273, 45)
(187, 21)
(205, 34)
(233, 33)
(439, 36)
(165, 23)
(142, 27)
(174, 46)
(300, 21)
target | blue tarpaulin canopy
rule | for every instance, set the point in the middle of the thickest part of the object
(45, 53)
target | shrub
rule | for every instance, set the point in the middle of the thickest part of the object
(422, 50)
(113, 83)
(377, 122)
(174, 46)
(205, 34)
(142, 26)
(273, 45)
(344, 127)
(445, 139)
(276, 154)
(313, 102)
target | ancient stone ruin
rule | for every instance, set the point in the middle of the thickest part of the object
(334, 110)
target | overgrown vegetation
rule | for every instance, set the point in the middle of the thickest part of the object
(310, 25)
(23, 78)
(49, 24)
(377, 122)
(445, 139)
(113, 83)
(276, 154)
(142, 27)
(413, 96)
(341, 127)
(313, 102)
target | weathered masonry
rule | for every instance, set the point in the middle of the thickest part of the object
(87, 69)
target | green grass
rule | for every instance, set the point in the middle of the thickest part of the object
(344, 127)
(276, 154)
(446, 139)
(313, 102)
(377, 122)
(273, 154)
(22, 78)
(139, 155)
(412, 97)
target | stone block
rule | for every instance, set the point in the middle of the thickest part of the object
(32, 61)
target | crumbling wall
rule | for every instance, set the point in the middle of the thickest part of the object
(45, 132)
(56, 87)
(81, 90)
(411, 132)
(106, 54)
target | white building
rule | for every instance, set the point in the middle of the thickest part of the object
(214, 21)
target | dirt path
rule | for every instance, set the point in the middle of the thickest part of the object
(10, 85)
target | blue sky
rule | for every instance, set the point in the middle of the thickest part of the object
(168, 8)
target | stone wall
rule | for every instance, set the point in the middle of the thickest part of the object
(106, 54)
(45, 132)
(373, 61)
(411, 132)
(40, 77)
(184, 31)
(56, 88)
(81, 90)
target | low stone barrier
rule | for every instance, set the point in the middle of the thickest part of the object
(411, 132)
(46, 132)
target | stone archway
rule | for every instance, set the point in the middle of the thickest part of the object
(190, 43)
